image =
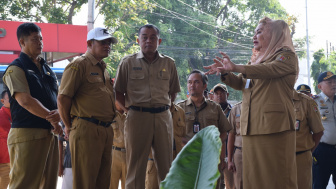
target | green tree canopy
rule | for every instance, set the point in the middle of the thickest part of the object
(50, 11)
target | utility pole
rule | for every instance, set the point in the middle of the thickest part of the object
(308, 66)
(327, 49)
(90, 22)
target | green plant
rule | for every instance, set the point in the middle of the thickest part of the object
(196, 166)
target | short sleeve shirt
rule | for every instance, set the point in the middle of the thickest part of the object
(327, 109)
(88, 83)
(308, 121)
(234, 119)
(179, 125)
(147, 84)
(210, 113)
(16, 81)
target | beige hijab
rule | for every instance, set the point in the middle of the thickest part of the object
(280, 38)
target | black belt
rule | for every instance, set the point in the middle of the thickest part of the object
(150, 159)
(240, 148)
(301, 152)
(96, 121)
(119, 149)
(150, 110)
(328, 145)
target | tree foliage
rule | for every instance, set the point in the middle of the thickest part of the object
(194, 32)
(122, 17)
(318, 67)
(50, 11)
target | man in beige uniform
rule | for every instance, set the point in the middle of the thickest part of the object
(179, 132)
(234, 147)
(86, 104)
(201, 112)
(119, 151)
(309, 130)
(221, 95)
(146, 83)
(33, 89)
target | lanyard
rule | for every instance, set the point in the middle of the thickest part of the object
(196, 111)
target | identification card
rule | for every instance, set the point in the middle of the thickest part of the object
(247, 85)
(297, 125)
(196, 127)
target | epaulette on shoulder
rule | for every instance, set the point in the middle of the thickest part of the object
(315, 96)
(305, 96)
(128, 56)
(167, 57)
(238, 103)
(180, 102)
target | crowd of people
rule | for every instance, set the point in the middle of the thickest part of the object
(96, 131)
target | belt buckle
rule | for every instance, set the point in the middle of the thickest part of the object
(99, 122)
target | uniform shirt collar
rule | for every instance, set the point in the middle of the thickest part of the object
(325, 97)
(189, 101)
(141, 55)
(93, 60)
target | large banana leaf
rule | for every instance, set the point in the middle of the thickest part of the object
(196, 166)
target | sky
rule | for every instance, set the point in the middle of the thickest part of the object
(321, 20)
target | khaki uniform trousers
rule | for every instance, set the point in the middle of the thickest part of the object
(144, 130)
(238, 174)
(118, 169)
(33, 162)
(4, 175)
(91, 154)
(304, 170)
(269, 161)
(151, 176)
(228, 178)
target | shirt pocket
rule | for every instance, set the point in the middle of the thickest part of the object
(137, 75)
(163, 75)
(180, 128)
(136, 81)
(211, 119)
(163, 78)
(95, 79)
(274, 118)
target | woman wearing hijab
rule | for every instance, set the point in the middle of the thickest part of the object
(267, 115)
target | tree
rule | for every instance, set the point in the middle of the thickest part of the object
(49, 11)
(318, 67)
(124, 25)
(194, 32)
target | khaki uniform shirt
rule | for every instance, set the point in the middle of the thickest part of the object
(328, 115)
(267, 88)
(234, 119)
(16, 81)
(88, 83)
(210, 114)
(118, 126)
(147, 84)
(179, 125)
(308, 121)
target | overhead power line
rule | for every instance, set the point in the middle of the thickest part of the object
(171, 12)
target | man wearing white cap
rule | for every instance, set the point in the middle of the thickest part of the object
(87, 107)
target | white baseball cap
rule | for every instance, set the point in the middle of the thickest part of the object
(100, 34)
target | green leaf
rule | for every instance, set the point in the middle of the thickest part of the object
(196, 166)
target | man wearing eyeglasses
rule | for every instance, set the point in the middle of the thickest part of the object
(87, 107)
